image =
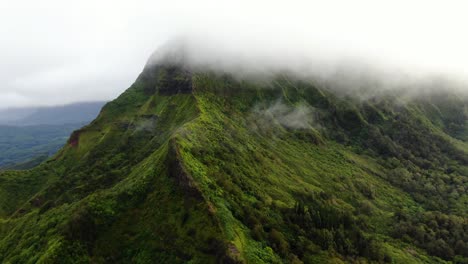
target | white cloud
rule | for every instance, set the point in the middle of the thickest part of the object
(61, 51)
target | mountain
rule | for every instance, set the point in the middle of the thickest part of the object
(13, 114)
(192, 166)
(29, 135)
(82, 112)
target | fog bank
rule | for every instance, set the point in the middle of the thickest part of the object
(57, 52)
(350, 75)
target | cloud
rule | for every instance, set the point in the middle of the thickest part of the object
(147, 125)
(299, 116)
(58, 51)
(345, 74)
(13, 99)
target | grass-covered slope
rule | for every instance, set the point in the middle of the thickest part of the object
(202, 168)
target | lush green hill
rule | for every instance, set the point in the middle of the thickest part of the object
(203, 168)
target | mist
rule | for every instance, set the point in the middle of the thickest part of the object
(346, 74)
(54, 52)
(299, 116)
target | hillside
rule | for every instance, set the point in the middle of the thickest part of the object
(198, 167)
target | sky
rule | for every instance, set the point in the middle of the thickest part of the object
(58, 51)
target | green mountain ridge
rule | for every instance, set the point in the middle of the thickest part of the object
(192, 166)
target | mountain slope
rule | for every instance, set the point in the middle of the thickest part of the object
(198, 167)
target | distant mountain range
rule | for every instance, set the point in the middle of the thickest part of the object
(32, 134)
(51, 115)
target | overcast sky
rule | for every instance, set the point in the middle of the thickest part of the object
(58, 51)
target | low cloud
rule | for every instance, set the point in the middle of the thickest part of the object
(146, 125)
(299, 116)
(345, 74)
(55, 52)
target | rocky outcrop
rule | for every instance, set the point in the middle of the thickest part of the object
(74, 138)
(174, 80)
(166, 79)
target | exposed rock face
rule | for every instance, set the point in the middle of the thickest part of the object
(166, 79)
(74, 138)
(173, 80)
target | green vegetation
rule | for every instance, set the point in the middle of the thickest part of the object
(203, 168)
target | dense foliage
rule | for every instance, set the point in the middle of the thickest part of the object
(440, 234)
